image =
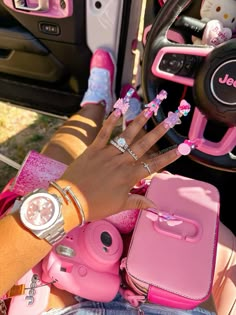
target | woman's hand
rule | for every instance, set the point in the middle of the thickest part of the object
(103, 175)
(101, 178)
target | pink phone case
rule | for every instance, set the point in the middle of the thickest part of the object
(173, 261)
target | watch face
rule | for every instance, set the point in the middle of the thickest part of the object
(39, 211)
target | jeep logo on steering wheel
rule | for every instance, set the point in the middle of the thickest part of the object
(223, 83)
(228, 81)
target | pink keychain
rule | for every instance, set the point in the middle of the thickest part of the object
(122, 104)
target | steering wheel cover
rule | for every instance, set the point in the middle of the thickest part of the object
(157, 40)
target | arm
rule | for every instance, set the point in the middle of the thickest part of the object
(102, 195)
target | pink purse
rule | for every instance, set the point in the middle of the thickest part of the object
(171, 257)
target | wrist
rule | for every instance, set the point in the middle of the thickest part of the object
(73, 203)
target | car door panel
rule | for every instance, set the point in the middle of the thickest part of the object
(45, 54)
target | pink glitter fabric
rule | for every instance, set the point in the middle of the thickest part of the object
(37, 171)
(124, 221)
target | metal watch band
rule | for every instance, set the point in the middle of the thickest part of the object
(56, 237)
(57, 234)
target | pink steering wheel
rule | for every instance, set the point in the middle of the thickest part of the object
(208, 75)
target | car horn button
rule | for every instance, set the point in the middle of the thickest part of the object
(223, 83)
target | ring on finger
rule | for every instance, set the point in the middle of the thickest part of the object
(121, 142)
(115, 144)
(134, 156)
(147, 167)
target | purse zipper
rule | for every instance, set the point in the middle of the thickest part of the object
(139, 289)
(136, 286)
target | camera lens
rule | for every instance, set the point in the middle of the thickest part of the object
(65, 251)
(106, 239)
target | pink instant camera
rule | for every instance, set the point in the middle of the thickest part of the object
(86, 262)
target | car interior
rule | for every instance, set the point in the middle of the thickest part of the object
(45, 52)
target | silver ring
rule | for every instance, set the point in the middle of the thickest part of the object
(146, 166)
(121, 142)
(117, 146)
(134, 156)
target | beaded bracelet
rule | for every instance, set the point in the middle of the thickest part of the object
(69, 196)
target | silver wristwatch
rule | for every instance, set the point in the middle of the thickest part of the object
(40, 212)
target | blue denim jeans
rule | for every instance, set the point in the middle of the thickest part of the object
(119, 306)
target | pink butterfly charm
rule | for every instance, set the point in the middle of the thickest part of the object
(121, 105)
(163, 216)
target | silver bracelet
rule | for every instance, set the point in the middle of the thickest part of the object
(69, 196)
(76, 201)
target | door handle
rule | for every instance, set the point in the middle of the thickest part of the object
(43, 5)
